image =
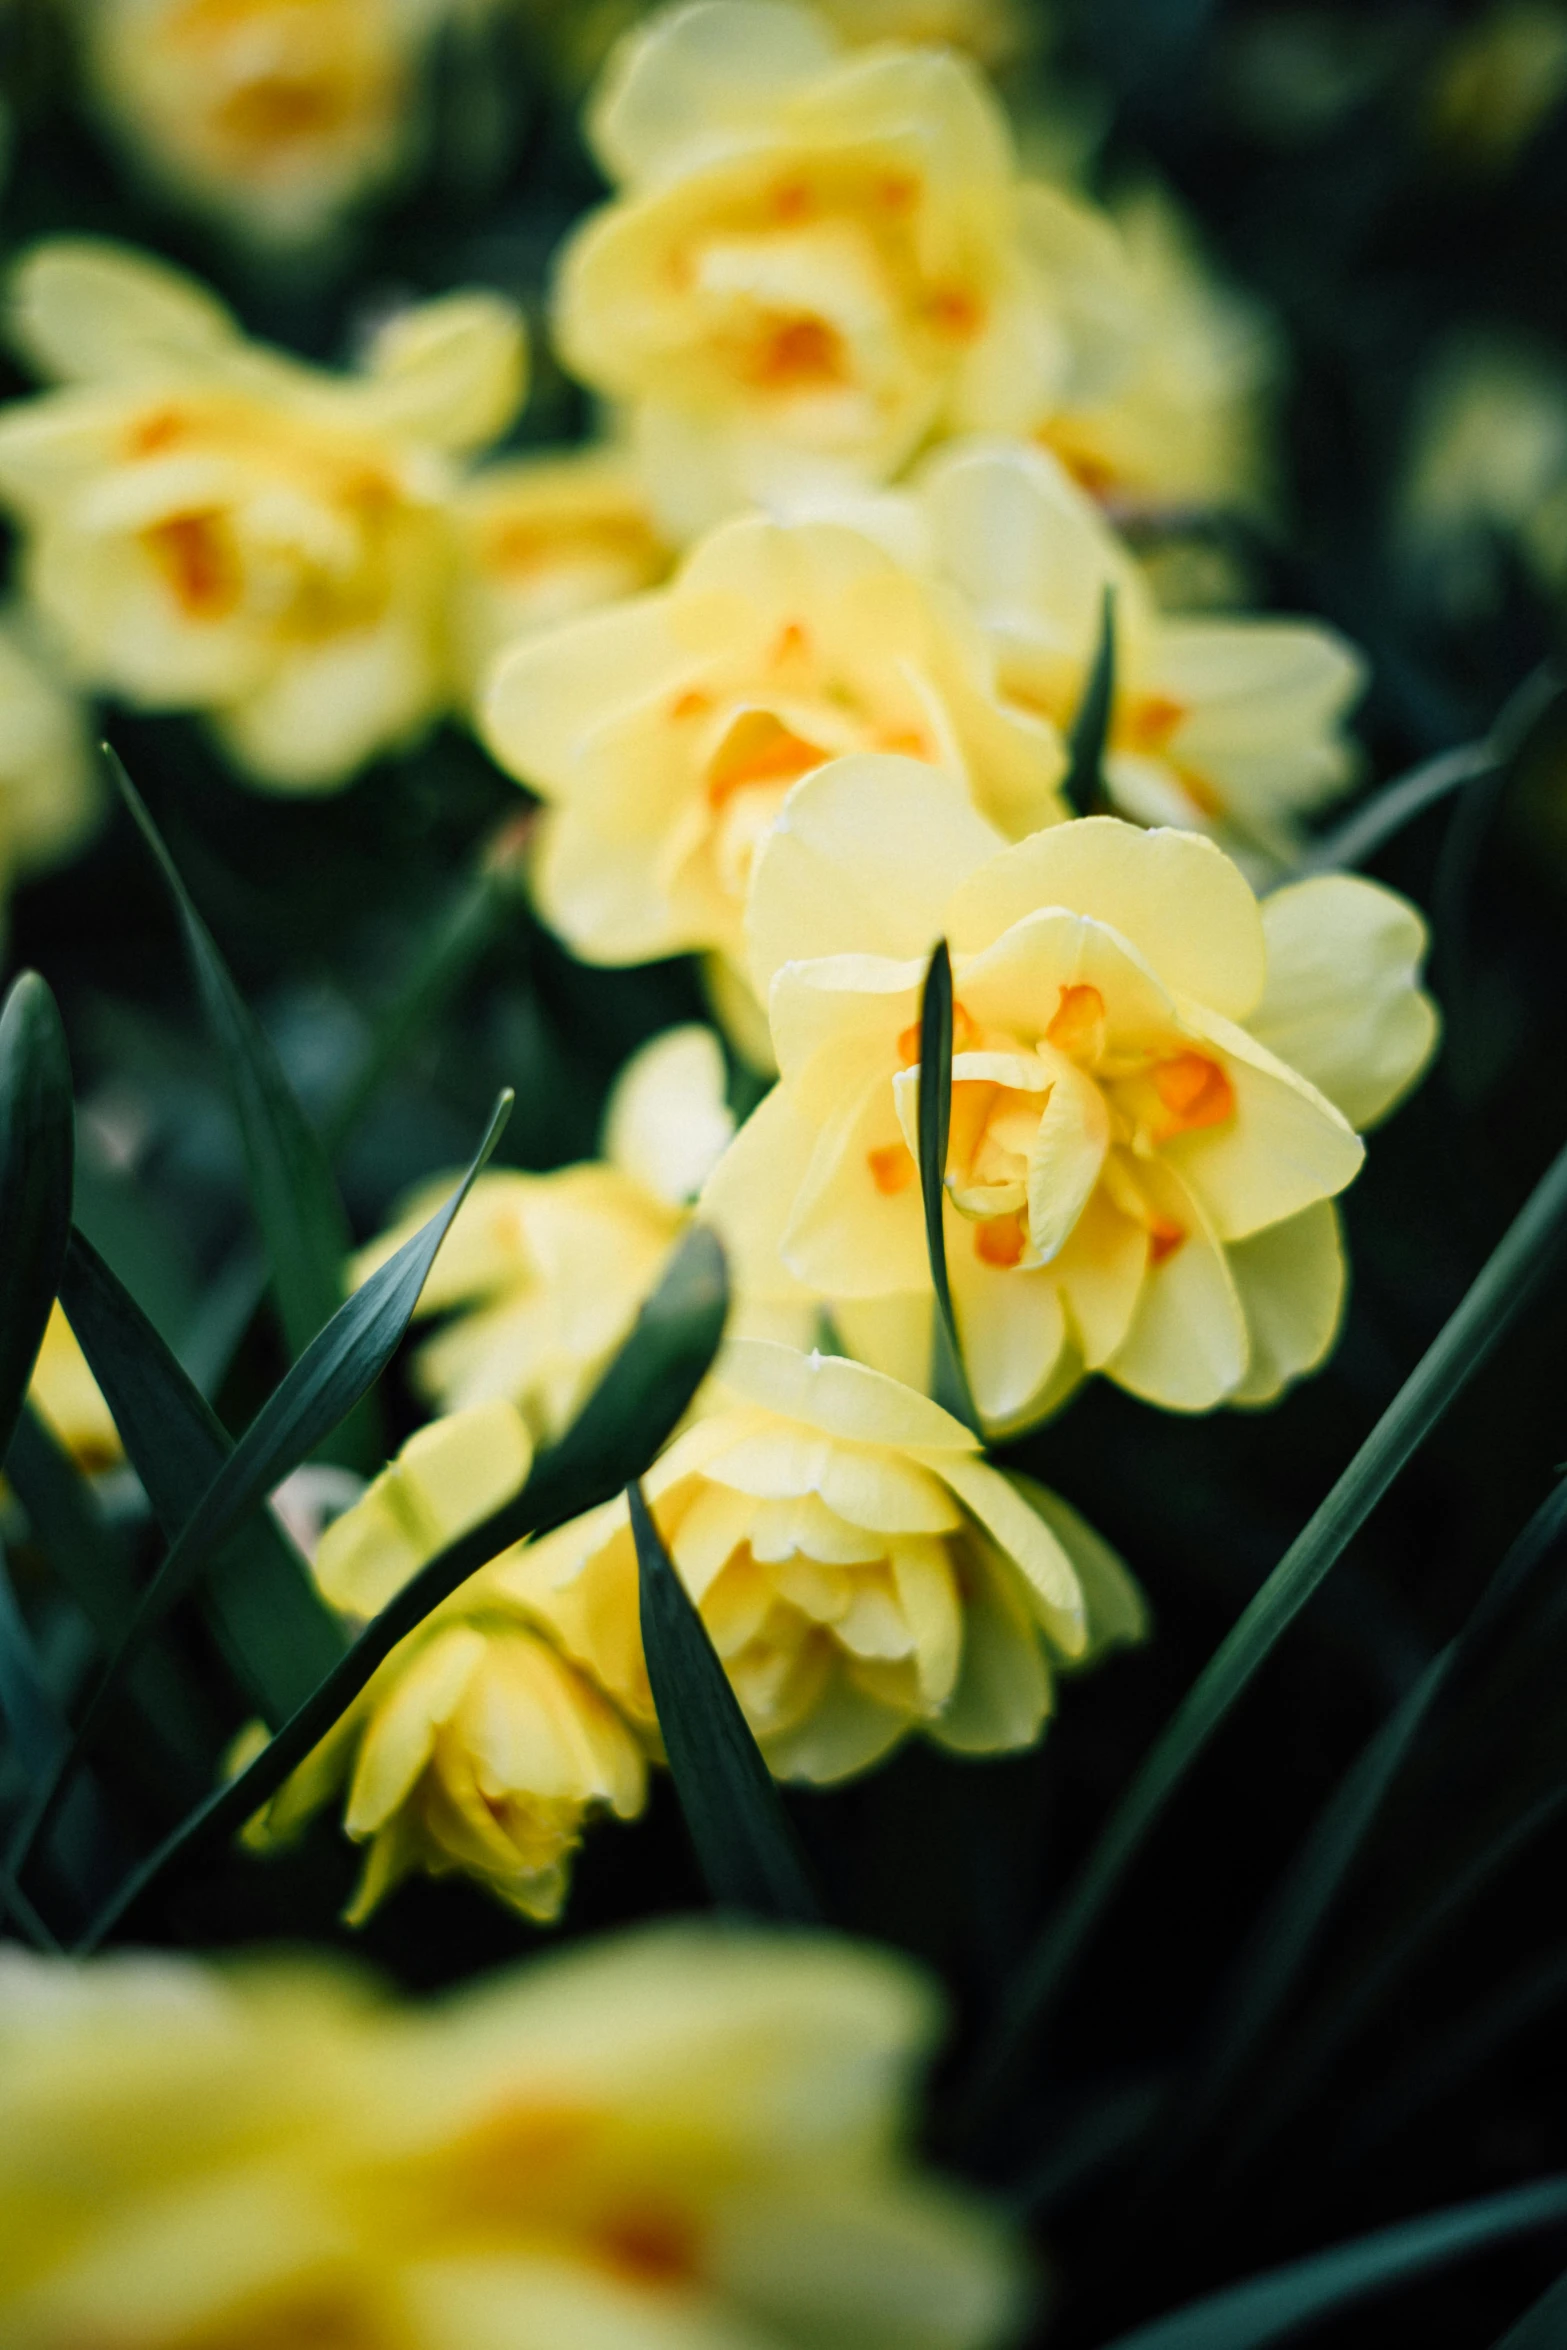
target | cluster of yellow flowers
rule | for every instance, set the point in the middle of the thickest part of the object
(686, 2138)
(793, 657)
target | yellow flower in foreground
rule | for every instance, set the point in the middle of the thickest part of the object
(1233, 726)
(1156, 1088)
(862, 1571)
(214, 526)
(65, 1394)
(819, 257)
(539, 539)
(476, 1747)
(543, 1274)
(47, 798)
(690, 2136)
(666, 732)
(274, 114)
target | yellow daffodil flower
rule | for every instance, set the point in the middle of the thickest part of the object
(1156, 1088)
(47, 797)
(819, 257)
(861, 1570)
(540, 539)
(1488, 463)
(476, 1747)
(274, 115)
(692, 2135)
(542, 1275)
(1232, 726)
(65, 1394)
(214, 526)
(665, 732)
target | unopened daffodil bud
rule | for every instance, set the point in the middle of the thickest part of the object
(1232, 726)
(818, 257)
(273, 115)
(862, 1572)
(665, 732)
(539, 539)
(477, 1747)
(1157, 1088)
(691, 2135)
(214, 526)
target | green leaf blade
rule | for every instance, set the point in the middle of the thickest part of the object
(37, 1149)
(1083, 785)
(1527, 1251)
(949, 1380)
(1272, 2307)
(745, 1846)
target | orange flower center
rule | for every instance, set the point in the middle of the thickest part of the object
(196, 560)
(799, 354)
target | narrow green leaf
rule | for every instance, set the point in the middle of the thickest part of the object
(1451, 2054)
(292, 1187)
(624, 1424)
(745, 1845)
(1291, 1929)
(1271, 2307)
(949, 1380)
(1527, 1250)
(1083, 786)
(36, 1151)
(260, 1597)
(335, 1370)
(34, 1721)
(1542, 2327)
(1378, 820)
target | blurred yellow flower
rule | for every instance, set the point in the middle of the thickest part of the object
(214, 526)
(862, 1571)
(1181, 422)
(542, 1275)
(47, 797)
(1498, 80)
(476, 1747)
(1232, 726)
(1488, 463)
(1156, 1088)
(540, 539)
(65, 1394)
(665, 732)
(275, 115)
(692, 2135)
(819, 257)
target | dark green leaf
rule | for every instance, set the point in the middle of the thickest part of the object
(745, 1845)
(1291, 1929)
(292, 1187)
(1272, 2307)
(36, 1150)
(949, 1380)
(33, 1720)
(335, 1370)
(1083, 785)
(260, 1596)
(90, 1561)
(1526, 1252)
(625, 1422)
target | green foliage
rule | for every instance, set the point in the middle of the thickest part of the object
(35, 1181)
(748, 1852)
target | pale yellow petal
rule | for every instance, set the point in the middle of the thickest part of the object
(749, 1197)
(698, 78)
(838, 1397)
(1173, 896)
(1343, 1003)
(450, 373)
(863, 860)
(667, 1122)
(1003, 1696)
(1283, 1147)
(1117, 1611)
(1291, 1279)
(1011, 1325)
(1187, 1348)
(85, 310)
(421, 1694)
(1030, 1543)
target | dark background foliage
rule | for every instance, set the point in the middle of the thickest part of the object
(1299, 137)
